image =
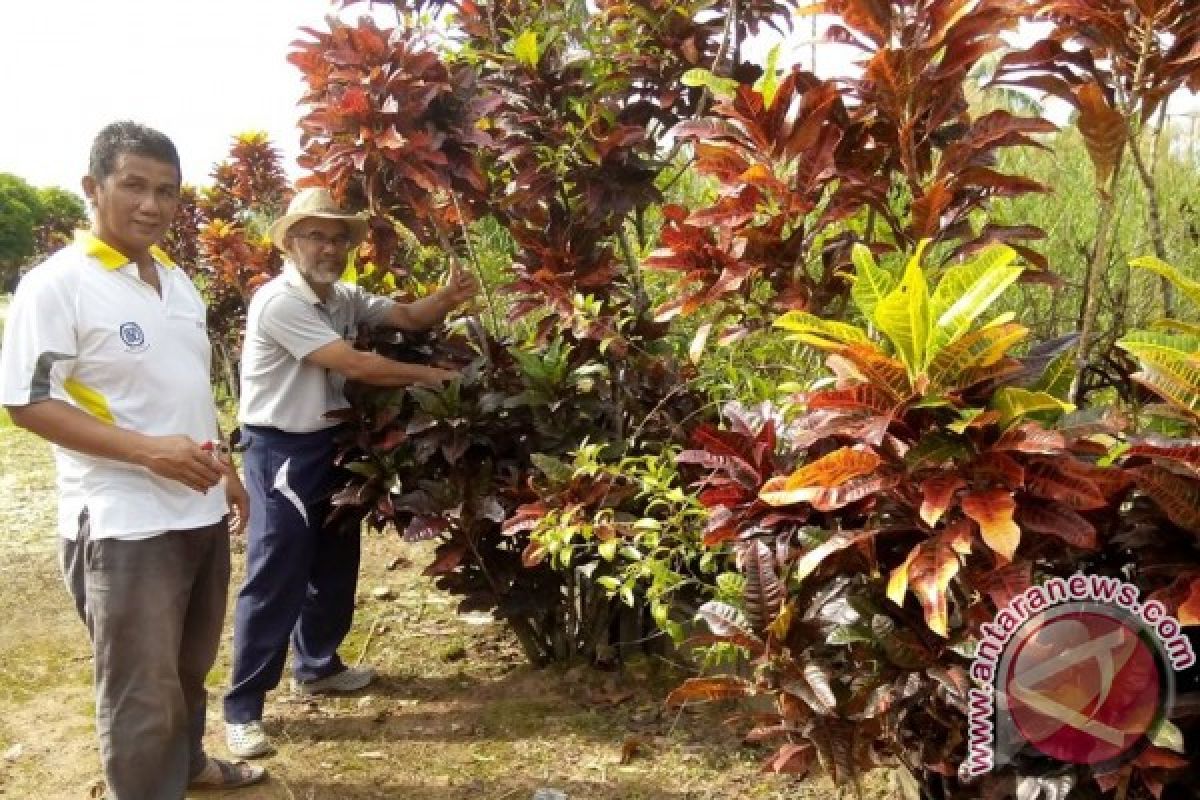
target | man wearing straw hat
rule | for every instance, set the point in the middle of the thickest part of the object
(301, 574)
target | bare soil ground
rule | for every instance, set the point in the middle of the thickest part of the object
(455, 714)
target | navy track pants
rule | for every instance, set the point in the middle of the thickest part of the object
(301, 573)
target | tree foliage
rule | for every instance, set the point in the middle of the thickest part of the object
(34, 223)
(219, 236)
(21, 208)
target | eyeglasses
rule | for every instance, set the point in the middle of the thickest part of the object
(317, 239)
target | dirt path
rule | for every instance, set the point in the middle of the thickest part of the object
(456, 713)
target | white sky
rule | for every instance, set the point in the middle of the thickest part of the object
(199, 70)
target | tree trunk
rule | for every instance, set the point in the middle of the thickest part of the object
(227, 370)
(528, 640)
(1088, 307)
(1157, 236)
(629, 622)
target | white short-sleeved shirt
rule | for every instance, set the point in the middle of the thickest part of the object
(285, 322)
(85, 329)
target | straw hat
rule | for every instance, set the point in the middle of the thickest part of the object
(317, 202)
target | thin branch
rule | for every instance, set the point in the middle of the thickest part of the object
(471, 254)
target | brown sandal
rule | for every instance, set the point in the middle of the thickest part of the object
(234, 775)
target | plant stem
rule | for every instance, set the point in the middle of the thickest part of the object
(228, 369)
(640, 302)
(475, 262)
(1157, 236)
(573, 626)
(484, 349)
(727, 37)
(1099, 260)
(1091, 284)
(520, 626)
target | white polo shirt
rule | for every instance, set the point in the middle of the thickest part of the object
(85, 329)
(285, 322)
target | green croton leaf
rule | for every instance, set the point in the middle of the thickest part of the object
(821, 333)
(1013, 403)
(903, 315)
(525, 48)
(871, 282)
(968, 290)
(1170, 365)
(1186, 286)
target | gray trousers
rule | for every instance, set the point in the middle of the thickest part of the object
(154, 609)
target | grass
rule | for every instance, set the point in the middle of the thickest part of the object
(455, 714)
(5, 420)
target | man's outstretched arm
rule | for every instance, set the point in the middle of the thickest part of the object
(374, 369)
(427, 312)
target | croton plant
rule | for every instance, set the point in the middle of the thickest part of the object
(219, 238)
(933, 479)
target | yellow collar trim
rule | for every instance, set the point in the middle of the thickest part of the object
(109, 256)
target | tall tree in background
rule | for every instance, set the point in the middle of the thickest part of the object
(63, 213)
(33, 224)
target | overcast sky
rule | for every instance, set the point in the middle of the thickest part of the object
(199, 70)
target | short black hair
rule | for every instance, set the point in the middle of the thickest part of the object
(126, 137)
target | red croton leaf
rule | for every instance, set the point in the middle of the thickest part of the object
(1031, 438)
(863, 397)
(723, 619)
(743, 456)
(1186, 451)
(533, 554)
(706, 690)
(998, 469)
(1158, 758)
(1005, 583)
(424, 527)
(723, 495)
(928, 570)
(927, 209)
(993, 510)
(449, 556)
(1177, 496)
(1108, 781)
(1188, 612)
(1103, 128)
(835, 543)
(1182, 598)
(937, 492)
(1057, 481)
(884, 373)
(765, 593)
(794, 759)
(761, 733)
(525, 519)
(811, 481)
(1055, 519)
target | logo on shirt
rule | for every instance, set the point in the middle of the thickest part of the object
(133, 336)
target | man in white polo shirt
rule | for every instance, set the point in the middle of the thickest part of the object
(301, 572)
(105, 354)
